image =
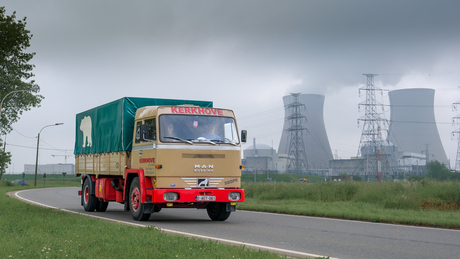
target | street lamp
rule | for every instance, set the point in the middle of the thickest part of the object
(24, 90)
(38, 143)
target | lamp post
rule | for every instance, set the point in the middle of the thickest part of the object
(24, 90)
(38, 144)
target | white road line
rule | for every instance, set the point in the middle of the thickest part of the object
(227, 241)
(353, 221)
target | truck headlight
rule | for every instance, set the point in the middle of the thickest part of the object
(234, 196)
(170, 196)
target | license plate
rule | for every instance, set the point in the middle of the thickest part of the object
(205, 198)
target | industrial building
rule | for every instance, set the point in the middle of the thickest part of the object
(69, 169)
(263, 158)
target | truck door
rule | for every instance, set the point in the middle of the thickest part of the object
(144, 152)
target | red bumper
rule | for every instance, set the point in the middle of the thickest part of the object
(195, 195)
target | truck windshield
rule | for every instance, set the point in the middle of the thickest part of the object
(195, 129)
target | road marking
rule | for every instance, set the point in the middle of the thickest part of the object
(227, 241)
(349, 220)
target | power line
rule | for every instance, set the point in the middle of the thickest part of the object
(13, 145)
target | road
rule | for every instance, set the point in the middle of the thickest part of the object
(295, 235)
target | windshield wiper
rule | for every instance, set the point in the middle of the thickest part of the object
(224, 141)
(180, 139)
(203, 140)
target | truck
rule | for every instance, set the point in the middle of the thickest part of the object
(150, 153)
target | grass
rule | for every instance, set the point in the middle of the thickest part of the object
(425, 203)
(261, 177)
(30, 231)
(51, 180)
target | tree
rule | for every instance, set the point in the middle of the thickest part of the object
(436, 170)
(5, 160)
(15, 75)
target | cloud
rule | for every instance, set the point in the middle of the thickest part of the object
(243, 55)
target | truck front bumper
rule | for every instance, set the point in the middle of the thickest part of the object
(194, 195)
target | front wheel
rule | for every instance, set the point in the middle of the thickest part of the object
(217, 211)
(89, 200)
(135, 205)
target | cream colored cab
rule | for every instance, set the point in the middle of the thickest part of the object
(187, 147)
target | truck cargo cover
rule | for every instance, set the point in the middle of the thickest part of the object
(109, 127)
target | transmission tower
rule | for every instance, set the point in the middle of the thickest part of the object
(372, 119)
(456, 133)
(297, 157)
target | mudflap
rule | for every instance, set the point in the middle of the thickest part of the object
(229, 207)
(149, 208)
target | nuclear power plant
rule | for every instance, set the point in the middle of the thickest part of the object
(413, 125)
(388, 148)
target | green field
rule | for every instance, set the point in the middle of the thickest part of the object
(51, 180)
(425, 203)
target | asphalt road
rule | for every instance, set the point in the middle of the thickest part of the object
(295, 235)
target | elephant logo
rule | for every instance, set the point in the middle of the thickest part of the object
(86, 127)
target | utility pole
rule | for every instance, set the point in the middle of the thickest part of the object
(456, 133)
(297, 156)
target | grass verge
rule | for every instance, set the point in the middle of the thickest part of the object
(30, 231)
(397, 203)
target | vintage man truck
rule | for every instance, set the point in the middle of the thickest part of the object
(150, 154)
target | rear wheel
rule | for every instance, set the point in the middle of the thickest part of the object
(101, 206)
(217, 211)
(89, 200)
(135, 205)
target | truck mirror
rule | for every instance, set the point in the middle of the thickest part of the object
(144, 132)
(244, 135)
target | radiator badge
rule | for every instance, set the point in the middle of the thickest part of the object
(202, 182)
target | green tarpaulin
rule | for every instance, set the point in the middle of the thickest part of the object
(109, 127)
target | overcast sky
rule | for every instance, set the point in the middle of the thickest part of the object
(243, 55)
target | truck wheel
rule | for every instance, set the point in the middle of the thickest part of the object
(89, 200)
(217, 211)
(135, 205)
(101, 206)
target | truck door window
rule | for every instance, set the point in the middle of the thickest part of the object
(152, 129)
(138, 132)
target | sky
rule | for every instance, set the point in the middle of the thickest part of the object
(242, 55)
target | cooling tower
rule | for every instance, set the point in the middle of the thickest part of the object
(317, 148)
(412, 123)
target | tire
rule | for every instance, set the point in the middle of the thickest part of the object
(217, 211)
(101, 206)
(89, 200)
(135, 205)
